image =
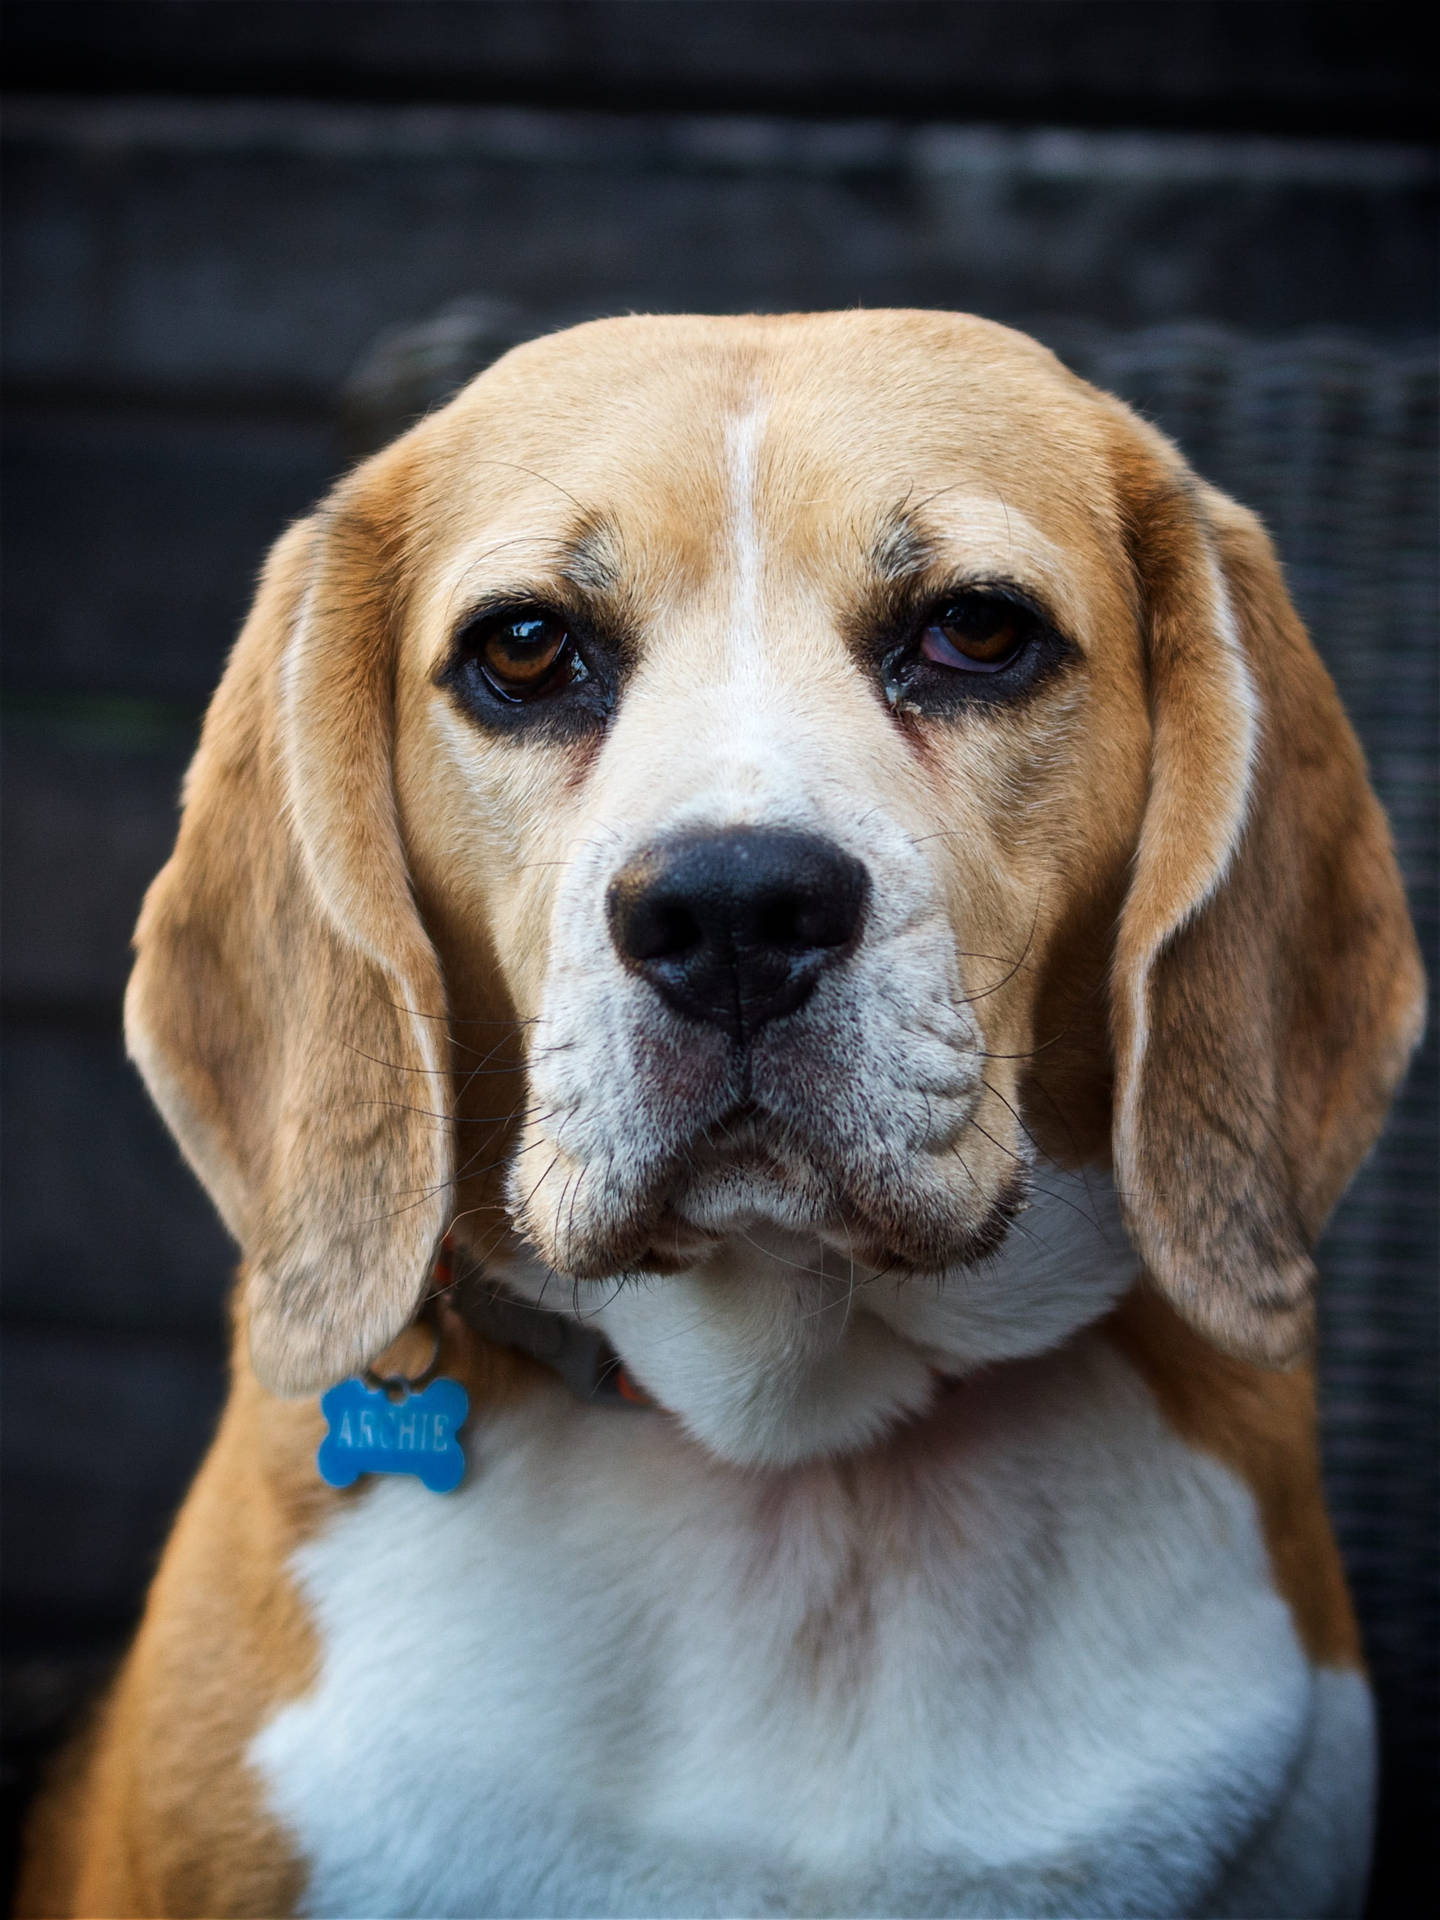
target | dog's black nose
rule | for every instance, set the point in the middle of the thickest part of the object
(734, 928)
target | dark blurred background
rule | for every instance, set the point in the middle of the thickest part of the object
(245, 241)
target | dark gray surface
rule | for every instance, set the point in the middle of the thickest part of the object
(87, 817)
(132, 1397)
(132, 538)
(107, 1233)
(1269, 63)
(143, 249)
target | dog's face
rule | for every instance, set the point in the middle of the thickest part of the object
(802, 763)
(759, 736)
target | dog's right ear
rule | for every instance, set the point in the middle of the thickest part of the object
(286, 1007)
(1267, 984)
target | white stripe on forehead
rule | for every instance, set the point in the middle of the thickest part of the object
(742, 444)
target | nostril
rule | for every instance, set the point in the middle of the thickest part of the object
(794, 923)
(659, 929)
(828, 918)
(779, 923)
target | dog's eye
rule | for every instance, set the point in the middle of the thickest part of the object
(977, 647)
(527, 654)
(532, 668)
(978, 633)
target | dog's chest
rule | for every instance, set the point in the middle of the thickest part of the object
(608, 1676)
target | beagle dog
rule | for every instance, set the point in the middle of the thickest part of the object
(816, 856)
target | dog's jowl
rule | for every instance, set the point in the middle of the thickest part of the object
(786, 904)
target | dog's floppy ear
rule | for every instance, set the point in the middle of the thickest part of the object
(286, 1007)
(1267, 987)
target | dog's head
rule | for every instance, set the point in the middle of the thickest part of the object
(715, 805)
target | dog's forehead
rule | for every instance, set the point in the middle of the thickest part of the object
(645, 449)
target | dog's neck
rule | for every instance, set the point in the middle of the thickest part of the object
(772, 1351)
(576, 1352)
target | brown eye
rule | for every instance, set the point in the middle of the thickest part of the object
(979, 633)
(528, 654)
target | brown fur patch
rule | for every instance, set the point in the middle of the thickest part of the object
(1268, 983)
(1262, 1425)
(154, 1811)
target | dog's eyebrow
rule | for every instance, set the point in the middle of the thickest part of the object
(591, 558)
(900, 548)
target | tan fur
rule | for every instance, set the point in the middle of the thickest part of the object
(283, 985)
(334, 967)
(162, 1817)
(1276, 967)
(154, 1810)
(1262, 1425)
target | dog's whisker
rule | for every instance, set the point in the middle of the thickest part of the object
(985, 992)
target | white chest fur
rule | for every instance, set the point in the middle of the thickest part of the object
(1025, 1659)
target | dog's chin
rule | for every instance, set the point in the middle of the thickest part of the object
(739, 1199)
(665, 1199)
(730, 1198)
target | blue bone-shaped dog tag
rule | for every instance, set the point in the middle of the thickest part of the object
(416, 1433)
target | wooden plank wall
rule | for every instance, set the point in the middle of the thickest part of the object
(213, 212)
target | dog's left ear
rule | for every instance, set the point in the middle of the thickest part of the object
(287, 1008)
(1267, 988)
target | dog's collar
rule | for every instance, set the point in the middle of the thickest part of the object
(579, 1356)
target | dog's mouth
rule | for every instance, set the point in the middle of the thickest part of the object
(740, 1171)
(748, 1170)
(745, 1146)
